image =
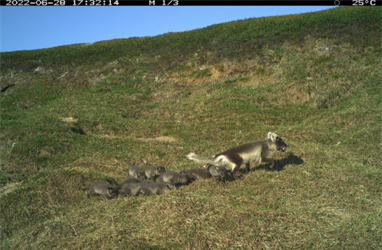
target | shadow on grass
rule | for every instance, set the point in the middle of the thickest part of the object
(281, 163)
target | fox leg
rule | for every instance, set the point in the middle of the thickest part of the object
(233, 172)
(272, 161)
(235, 167)
(91, 191)
(264, 158)
(247, 168)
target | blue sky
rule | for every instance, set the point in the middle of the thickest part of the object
(28, 28)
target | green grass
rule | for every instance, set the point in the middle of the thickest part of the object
(208, 90)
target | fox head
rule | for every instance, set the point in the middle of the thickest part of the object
(280, 144)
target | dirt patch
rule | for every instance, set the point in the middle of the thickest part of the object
(159, 138)
(10, 187)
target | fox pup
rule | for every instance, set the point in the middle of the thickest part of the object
(136, 172)
(174, 178)
(157, 188)
(153, 172)
(204, 173)
(101, 188)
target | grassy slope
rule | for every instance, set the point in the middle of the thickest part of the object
(313, 78)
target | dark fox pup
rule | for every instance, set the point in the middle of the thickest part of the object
(126, 180)
(130, 189)
(155, 188)
(103, 189)
(204, 173)
(153, 172)
(174, 178)
(137, 172)
(244, 154)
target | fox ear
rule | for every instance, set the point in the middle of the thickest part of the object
(272, 136)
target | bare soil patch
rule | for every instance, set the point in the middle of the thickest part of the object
(69, 119)
(10, 187)
(159, 138)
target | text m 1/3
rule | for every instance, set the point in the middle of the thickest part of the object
(164, 2)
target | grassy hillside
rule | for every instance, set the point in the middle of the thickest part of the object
(82, 113)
